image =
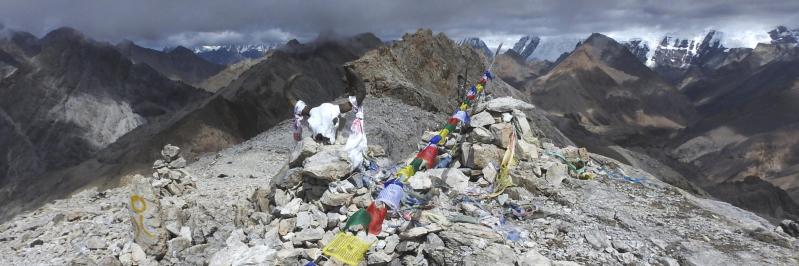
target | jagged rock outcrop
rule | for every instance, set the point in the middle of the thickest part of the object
(177, 64)
(674, 56)
(478, 44)
(526, 46)
(783, 35)
(639, 48)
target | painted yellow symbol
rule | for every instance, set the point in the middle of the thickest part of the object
(138, 205)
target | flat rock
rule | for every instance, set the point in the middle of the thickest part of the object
(481, 135)
(421, 181)
(328, 165)
(478, 155)
(481, 119)
(454, 178)
(508, 104)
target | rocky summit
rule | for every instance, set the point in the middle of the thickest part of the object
(246, 205)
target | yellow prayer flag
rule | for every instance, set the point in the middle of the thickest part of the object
(479, 88)
(443, 133)
(346, 248)
(464, 106)
(406, 171)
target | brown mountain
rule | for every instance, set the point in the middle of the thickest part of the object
(253, 103)
(748, 127)
(178, 64)
(604, 87)
(64, 98)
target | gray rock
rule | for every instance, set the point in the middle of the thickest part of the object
(310, 235)
(597, 239)
(493, 254)
(454, 178)
(378, 258)
(328, 165)
(407, 246)
(621, 246)
(526, 151)
(289, 179)
(668, 261)
(304, 149)
(481, 135)
(489, 173)
(478, 155)
(109, 261)
(508, 104)
(286, 226)
(177, 245)
(421, 181)
(159, 164)
(481, 119)
(145, 216)
(177, 163)
(336, 199)
(170, 152)
(502, 133)
(414, 233)
(433, 241)
(524, 126)
(96, 243)
(533, 258)
(137, 253)
(303, 220)
(291, 209)
(391, 243)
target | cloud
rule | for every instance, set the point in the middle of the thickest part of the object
(189, 22)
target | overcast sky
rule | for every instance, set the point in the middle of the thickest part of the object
(157, 23)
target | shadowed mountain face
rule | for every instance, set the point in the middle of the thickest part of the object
(65, 97)
(610, 92)
(749, 124)
(177, 64)
(253, 103)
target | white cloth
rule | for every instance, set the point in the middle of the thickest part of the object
(324, 120)
(356, 144)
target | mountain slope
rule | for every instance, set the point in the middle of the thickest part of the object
(70, 97)
(610, 91)
(177, 64)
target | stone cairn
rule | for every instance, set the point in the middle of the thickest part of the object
(444, 217)
(310, 202)
(156, 210)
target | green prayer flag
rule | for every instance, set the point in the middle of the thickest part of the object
(360, 217)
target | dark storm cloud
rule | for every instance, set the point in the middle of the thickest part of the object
(204, 21)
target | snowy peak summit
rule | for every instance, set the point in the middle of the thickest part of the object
(526, 46)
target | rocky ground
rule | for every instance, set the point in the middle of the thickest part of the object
(246, 205)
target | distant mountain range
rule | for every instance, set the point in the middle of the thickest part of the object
(228, 54)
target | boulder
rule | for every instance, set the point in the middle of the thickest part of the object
(178, 163)
(481, 119)
(524, 126)
(333, 199)
(454, 178)
(421, 181)
(502, 134)
(307, 147)
(481, 135)
(328, 165)
(145, 216)
(507, 104)
(526, 151)
(478, 155)
(170, 152)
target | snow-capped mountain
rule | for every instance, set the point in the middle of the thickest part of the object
(639, 48)
(478, 44)
(784, 35)
(230, 53)
(675, 52)
(551, 48)
(526, 46)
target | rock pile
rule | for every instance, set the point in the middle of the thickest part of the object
(566, 207)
